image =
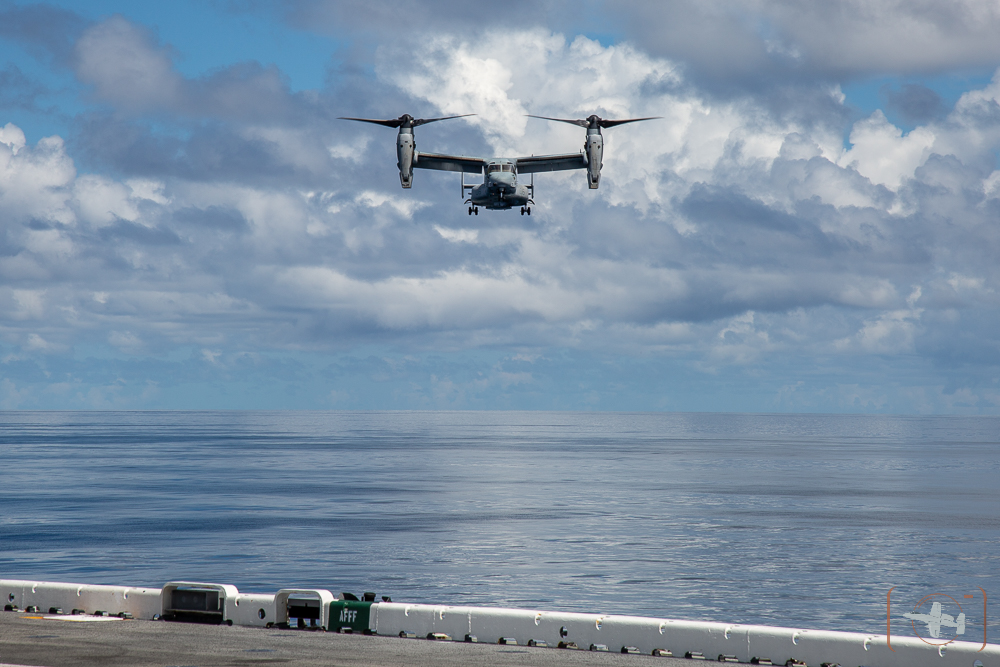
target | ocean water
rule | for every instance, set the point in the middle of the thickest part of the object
(793, 520)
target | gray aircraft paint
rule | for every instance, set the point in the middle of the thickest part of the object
(500, 189)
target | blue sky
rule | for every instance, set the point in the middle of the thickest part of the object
(812, 227)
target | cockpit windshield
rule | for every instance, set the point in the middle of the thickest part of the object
(500, 167)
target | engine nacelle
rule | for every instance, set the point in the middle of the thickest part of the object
(405, 146)
(594, 149)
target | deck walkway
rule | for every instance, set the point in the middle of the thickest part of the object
(29, 639)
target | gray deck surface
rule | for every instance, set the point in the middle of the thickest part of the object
(54, 643)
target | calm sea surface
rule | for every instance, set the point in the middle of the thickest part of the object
(799, 520)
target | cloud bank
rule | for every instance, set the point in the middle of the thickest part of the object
(194, 232)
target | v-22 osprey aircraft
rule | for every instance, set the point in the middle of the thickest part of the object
(500, 189)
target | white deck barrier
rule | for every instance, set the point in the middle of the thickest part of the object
(711, 640)
(114, 600)
(254, 609)
(745, 642)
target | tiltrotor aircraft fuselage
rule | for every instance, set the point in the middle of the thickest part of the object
(500, 189)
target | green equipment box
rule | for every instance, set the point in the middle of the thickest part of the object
(350, 616)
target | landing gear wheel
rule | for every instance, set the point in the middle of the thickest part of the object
(476, 210)
(470, 210)
(522, 210)
(529, 210)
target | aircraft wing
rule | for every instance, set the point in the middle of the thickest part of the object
(469, 165)
(539, 163)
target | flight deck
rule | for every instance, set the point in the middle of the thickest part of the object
(199, 623)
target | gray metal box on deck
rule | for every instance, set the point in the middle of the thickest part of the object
(308, 606)
(198, 602)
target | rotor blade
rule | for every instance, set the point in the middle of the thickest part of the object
(394, 122)
(581, 123)
(612, 123)
(424, 121)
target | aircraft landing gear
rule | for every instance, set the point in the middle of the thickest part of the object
(525, 209)
(474, 210)
(470, 210)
